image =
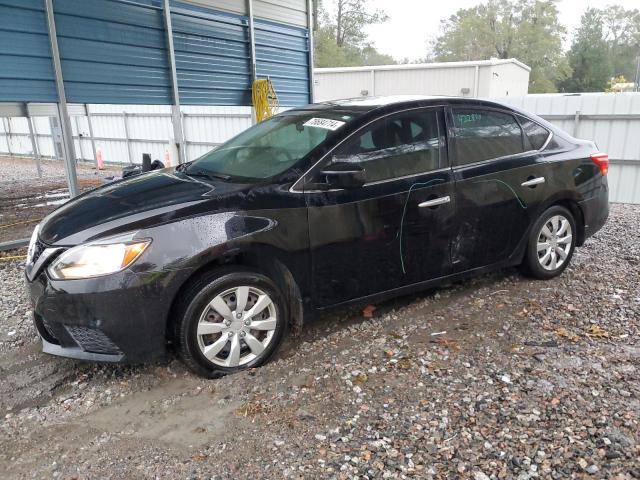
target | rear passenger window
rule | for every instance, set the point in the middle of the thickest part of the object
(485, 134)
(536, 134)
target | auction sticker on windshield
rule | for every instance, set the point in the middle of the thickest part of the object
(326, 123)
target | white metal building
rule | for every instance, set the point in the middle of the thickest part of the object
(484, 78)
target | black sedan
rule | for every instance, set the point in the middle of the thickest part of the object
(318, 207)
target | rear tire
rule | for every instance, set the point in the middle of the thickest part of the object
(229, 320)
(551, 244)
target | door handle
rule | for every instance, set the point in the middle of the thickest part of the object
(533, 182)
(435, 202)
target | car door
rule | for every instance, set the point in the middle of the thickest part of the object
(396, 229)
(499, 183)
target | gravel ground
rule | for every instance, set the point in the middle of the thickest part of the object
(25, 198)
(19, 169)
(495, 377)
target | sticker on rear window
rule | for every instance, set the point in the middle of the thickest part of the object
(326, 123)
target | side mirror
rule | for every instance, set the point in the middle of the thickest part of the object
(344, 175)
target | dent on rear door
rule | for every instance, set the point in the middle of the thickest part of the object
(495, 209)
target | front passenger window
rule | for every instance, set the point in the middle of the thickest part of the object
(396, 146)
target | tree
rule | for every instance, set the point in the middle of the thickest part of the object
(621, 30)
(528, 30)
(351, 18)
(607, 44)
(589, 56)
(340, 38)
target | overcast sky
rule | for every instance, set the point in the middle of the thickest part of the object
(413, 22)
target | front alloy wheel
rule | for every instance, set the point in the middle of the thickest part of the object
(237, 326)
(229, 320)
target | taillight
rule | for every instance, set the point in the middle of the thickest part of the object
(602, 161)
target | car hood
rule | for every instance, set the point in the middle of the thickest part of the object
(133, 203)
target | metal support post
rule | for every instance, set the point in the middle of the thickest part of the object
(34, 144)
(252, 42)
(312, 22)
(176, 120)
(63, 112)
(7, 134)
(125, 116)
(93, 140)
(79, 138)
(252, 54)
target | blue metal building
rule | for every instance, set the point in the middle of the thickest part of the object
(192, 52)
(115, 51)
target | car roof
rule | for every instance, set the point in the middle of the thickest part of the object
(366, 104)
(369, 107)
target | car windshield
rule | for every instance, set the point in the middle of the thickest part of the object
(270, 147)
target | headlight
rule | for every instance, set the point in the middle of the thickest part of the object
(32, 243)
(95, 259)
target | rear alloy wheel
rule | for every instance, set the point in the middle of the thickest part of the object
(555, 241)
(232, 322)
(551, 243)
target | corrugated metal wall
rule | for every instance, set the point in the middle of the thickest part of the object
(212, 56)
(292, 12)
(26, 71)
(114, 51)
(612, 120)
(282, 54)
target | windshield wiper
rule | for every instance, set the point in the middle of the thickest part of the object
(209, 175)
(183, 166)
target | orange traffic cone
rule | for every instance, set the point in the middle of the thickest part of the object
(99, 159)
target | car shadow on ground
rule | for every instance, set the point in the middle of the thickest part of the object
(325, 324)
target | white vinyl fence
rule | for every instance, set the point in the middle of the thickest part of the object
(612, 120)
(122, 133)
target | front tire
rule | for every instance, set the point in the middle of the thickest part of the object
(230, 321)
(551, 243)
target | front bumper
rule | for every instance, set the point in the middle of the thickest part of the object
(118, 318)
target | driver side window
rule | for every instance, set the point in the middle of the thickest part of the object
(399, 145)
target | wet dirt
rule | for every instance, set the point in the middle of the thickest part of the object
(25, 198)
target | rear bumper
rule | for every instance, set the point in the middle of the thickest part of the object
(118, 318)
(596, 210)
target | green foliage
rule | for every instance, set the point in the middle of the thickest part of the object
(621, 30)
(340, 40)
(329, 54)
(589, 56)
(528, 30)
(350, 20)
(606, 44)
